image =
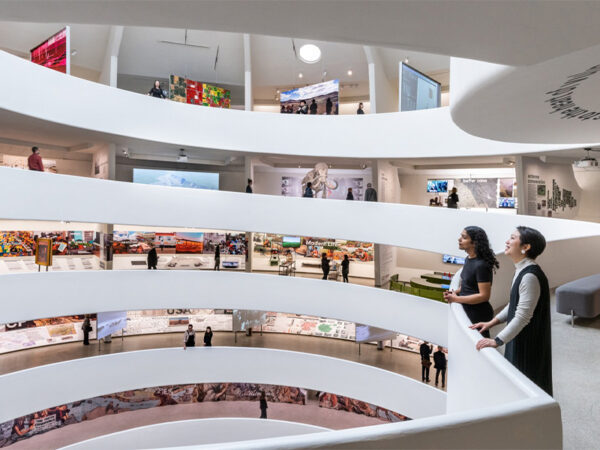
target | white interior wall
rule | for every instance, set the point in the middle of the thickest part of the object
(67, 163)
(267, 180)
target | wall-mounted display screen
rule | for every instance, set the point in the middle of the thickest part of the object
(418, 90)
(449, 259)
(321, 98)
(507, 202)
(437, 186)
(290, 241)
(54, 52)
(177, 178)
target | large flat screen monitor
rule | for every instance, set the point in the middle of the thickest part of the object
(54, 52)
(177, 178)
(437, 186)
(290, 241)
(418, 91)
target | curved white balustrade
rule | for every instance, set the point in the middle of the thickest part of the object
(100, 375)
(512, 104)
(395, 135)
(420, 227)
(139, 290)
(190, 432)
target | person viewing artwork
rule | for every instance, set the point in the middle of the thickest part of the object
(217, 257)
(308, 192)
(152, 258)
(34, 162)
(189, 337)
(156, 90)
(313, 106)
(349, 195)
(328, 106)
(208, 335)
(303, 109)
(86, 327)
(439, 364)
(425, 350)
(345, 268)
(249, 186)
(370, 193)
(325, 265)
(476, 277)
(453, 199)
(527, 334)
(360, 109)
(263, 405)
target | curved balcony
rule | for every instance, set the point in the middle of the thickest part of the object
(97, 112)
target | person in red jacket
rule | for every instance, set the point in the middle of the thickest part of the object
(35, 160)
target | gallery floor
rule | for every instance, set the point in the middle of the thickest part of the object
(309, 414)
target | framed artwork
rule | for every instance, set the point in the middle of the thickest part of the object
(43, 252)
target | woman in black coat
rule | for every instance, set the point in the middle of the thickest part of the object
(325, 265)
(527, 333)
(208, 334)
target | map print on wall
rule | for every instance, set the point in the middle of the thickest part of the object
(477, 192)
(560, 198)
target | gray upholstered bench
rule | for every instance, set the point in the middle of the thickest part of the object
(579, 298)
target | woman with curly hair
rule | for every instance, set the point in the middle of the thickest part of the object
(476, 276)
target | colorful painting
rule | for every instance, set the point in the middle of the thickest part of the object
(177, 89)
(215, 96)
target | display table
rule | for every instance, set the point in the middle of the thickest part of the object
(422, 283)
(437, 278)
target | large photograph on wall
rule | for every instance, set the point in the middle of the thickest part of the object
(321, 98)
(477, 192)
(54, 52)
(418, 90)
(177, 178)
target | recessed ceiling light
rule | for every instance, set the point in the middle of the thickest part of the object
(278, 91)
(309, 53)
(300, 75)
(406, 60)
(74, 52)
(349, 72)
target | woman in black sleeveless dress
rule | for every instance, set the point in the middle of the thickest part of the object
(476, 276)
(527, 333)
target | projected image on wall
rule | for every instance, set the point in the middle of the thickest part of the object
(321, 98)
(177, 178)
(418, 90)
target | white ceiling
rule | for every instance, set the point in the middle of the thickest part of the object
(141, 53)
(502, 31)
(89, 40)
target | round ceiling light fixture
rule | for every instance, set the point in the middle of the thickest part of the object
(309, 53)
(300, 75)
(349, 72)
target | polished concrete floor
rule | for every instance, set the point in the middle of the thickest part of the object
(399, 361)
(575, 362)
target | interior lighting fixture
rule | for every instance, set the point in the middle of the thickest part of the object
(309, 53)
(74, 52)
(349, 72)
(300, 75)
(406, 60)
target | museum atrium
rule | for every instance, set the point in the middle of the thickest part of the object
(170, 135)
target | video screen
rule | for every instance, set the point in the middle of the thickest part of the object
(53, 52)
(290, 242)
(449, 259)
(506, 202)
(177, 178)
(418, 90)
(437, 186)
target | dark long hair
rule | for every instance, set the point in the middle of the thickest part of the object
(482, 246)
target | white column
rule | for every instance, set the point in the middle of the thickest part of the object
(383, 95)
(109, 72)
(248, 99)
